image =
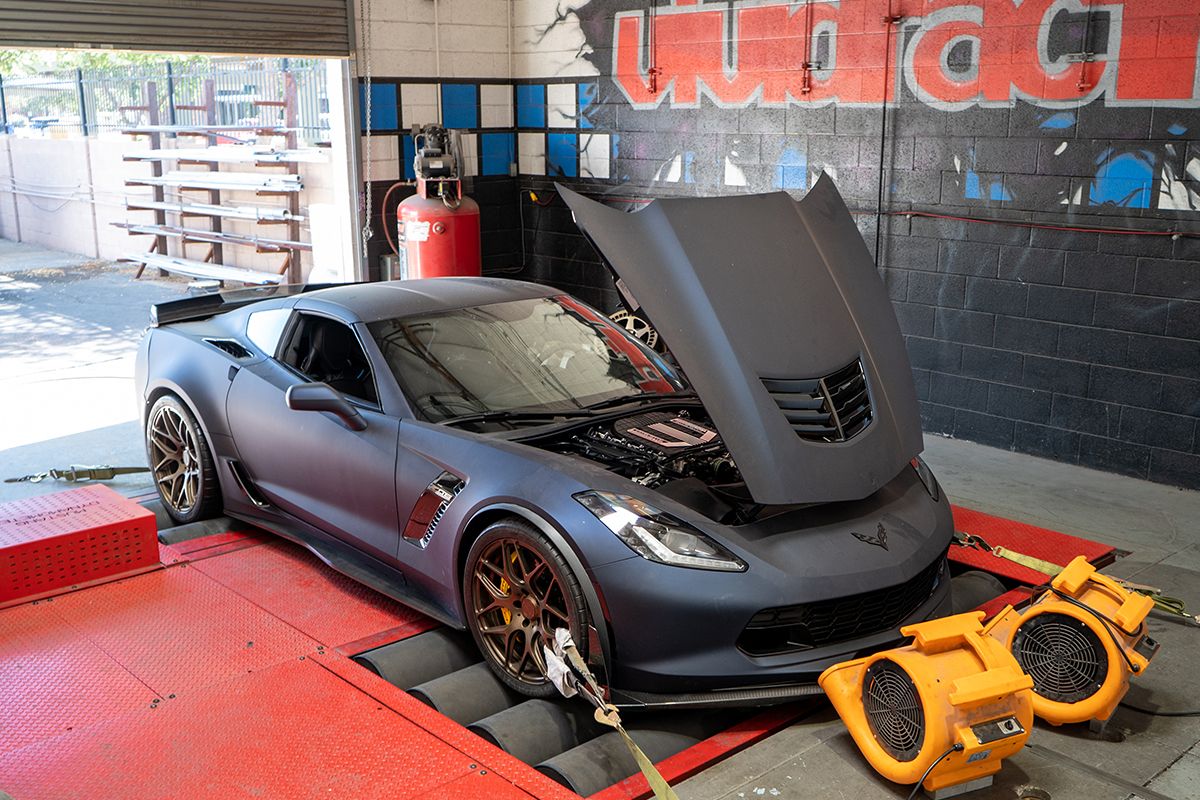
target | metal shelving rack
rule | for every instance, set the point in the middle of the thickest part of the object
(212, 182)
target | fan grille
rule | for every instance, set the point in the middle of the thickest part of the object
(1065, 657)
(893, 709)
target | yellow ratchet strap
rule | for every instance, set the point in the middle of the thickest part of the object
(606, 714)
(1168, 605)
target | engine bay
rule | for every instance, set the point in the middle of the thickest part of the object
(677, 452)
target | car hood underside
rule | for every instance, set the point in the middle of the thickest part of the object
(774, 310)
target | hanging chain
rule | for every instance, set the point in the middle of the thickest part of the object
(368, 73)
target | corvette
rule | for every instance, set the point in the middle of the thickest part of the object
(717, 525)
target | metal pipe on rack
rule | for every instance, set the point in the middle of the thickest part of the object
(260, 242)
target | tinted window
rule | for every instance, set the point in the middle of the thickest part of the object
(538, 354)
(327, 351)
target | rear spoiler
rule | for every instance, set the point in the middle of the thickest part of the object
(209, 305)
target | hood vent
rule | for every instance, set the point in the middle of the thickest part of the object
(834, 408)
(232, 347)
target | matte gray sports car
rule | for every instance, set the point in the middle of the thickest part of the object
(502, 457)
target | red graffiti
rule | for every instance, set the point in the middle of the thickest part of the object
(859, 51)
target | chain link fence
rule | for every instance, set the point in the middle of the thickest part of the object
(236, 91)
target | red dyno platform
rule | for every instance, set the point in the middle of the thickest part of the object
(71, 539)
(1057, 548)
(226, 672)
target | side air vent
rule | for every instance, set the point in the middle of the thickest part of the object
(232, 347)
(246, 485)
(834, 408)
(430, 508)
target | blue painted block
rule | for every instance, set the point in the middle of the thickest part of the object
(562, 154)
(531, 106)
(385, 107)
(497, 151)
(1125, 181)
(409, 153)
(460, 105)
(971, 190)
(1059, 121)
(791, 171)
(587, 98)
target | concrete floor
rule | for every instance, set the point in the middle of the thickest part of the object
(817, 758)
(69, 329)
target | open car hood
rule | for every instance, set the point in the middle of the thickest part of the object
(770, 306)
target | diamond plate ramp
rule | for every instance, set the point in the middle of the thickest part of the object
(292, 730)
(295, 586)
(177, 629)
(53, 681)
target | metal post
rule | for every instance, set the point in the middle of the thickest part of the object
(83, 115)
(171, 96)
(156, 169)
(3, 108)
(215, 224)
(291, 119)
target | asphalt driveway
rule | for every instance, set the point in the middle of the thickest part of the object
(69, 329)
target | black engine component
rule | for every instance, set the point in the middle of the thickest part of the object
(677, 452)
(655, 448)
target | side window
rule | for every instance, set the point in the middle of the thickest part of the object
(327, 351)
(265, 327)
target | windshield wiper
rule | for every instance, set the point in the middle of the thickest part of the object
(517, 415)
(641, 397)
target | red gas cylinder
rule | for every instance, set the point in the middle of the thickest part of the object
(439, 241)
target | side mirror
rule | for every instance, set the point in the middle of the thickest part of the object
(323, 397)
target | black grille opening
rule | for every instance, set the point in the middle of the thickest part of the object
(893, 708)
(833, 408)
(1065, 657)
(790, 629)
(231, 346)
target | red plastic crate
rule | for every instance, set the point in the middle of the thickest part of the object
(67, 540)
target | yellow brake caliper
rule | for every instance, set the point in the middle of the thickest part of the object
(504, 587)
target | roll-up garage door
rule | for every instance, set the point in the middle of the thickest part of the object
(267, 27)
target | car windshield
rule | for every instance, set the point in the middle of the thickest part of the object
(540, 354)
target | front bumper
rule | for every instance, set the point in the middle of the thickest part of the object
(664, 661)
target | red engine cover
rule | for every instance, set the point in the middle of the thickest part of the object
(70, 539)
(440, 242)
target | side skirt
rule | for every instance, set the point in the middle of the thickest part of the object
(352, 563)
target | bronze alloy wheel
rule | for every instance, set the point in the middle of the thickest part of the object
(518, 591)
(173, 458)
(180, 462)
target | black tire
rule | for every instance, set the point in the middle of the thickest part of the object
(501, 624)
(181, 463)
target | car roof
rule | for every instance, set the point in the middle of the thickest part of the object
(371, 302)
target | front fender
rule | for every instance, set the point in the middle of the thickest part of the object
(592, 593)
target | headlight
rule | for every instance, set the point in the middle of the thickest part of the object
(656, 535)
(926, 475)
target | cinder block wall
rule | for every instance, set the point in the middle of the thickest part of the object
(1031, 174)
(447, 63)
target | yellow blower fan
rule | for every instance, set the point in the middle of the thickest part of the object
(1080, 642)
(944, 710)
